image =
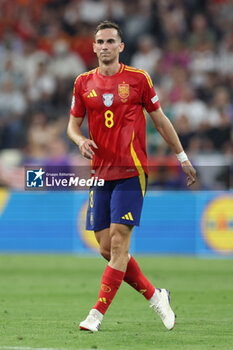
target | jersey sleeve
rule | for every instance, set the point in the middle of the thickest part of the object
(149, 96)
(78, 109)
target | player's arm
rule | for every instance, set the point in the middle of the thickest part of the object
(75, 134)
(167, 131)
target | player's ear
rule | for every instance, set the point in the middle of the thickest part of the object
(122, 46)
(94, 47)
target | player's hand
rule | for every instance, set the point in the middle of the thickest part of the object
(191, 173)
(86, 148)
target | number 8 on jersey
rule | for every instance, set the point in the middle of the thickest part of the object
(109, 118)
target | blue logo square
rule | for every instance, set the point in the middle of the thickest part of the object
(35, 178)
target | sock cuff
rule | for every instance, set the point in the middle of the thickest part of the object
(137, 279)
(131, 262)
(113, 273)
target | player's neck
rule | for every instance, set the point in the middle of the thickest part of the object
(109, 70)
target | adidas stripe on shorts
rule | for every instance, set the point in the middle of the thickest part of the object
(118, 201)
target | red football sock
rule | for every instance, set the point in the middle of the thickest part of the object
(135, 278)
(110, 283)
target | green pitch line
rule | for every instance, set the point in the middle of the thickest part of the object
(43, 299)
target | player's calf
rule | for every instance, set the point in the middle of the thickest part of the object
(105, 253)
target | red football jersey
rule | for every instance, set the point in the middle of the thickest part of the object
(116, 117)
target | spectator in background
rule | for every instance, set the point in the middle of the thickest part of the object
(8, 71)
(202, 43)
(221, 133)
(30, 59)
(220, 14)
(175, 54)
(203, 61)
(173, 19)
(192, 117)
(137, 21)
(226, 54)
(200, 32)
(92, 11)
(12, 107)
(194, 110)
(41, 133)
(82, 44)
(174, 82)
(10, 42)
(222, 100)
(65, 64)
(147, 55)
(12, 101)
(41, 89)
(57, 154)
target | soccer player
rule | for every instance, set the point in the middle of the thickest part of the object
(114, 96)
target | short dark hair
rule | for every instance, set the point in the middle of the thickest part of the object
(108, 24)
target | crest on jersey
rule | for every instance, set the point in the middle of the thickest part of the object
(108, 99)
(123, 91)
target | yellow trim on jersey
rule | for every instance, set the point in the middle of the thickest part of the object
(94, 141)
(86, 73)
(135, 70)
(89, 72)
(144, 112)
(122, 68)
(142, 177)
(83, 74)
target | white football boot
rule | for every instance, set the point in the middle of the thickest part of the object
(160, 302)
(92, 322)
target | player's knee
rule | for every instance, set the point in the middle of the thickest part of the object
(105, 253)
(118, 248)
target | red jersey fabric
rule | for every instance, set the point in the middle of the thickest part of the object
(116, 117)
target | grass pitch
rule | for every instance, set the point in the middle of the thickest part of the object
(43, 299)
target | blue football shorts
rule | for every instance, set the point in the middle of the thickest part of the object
(118, 201)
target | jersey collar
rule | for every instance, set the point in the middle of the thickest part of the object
(114, 75)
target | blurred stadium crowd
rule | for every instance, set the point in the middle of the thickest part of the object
(185, 45)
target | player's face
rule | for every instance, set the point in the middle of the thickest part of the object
(108, 45)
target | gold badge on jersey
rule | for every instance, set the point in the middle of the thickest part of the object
(123, 91)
